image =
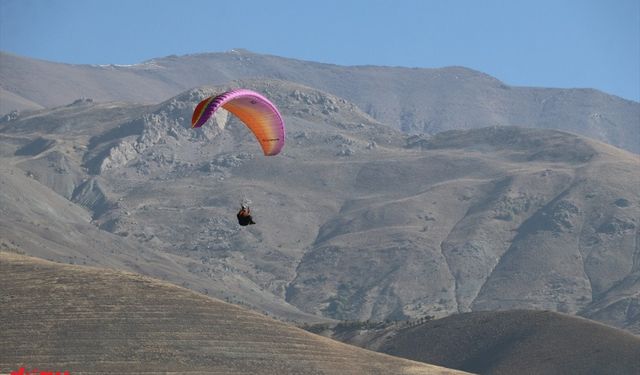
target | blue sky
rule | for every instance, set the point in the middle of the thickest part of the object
(542, 43)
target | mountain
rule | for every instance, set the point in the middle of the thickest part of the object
(507, 342)
(414, 100)
(356, 220)
(89, 320)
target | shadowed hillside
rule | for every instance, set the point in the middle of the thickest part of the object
(88, 321)
(509, 342)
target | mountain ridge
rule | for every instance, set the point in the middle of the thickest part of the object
(414, 100)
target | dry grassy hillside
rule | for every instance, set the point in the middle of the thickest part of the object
(519, 342)
(88, 321)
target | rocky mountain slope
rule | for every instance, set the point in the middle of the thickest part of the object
(356, 220)
(411, 99)
(94, 321)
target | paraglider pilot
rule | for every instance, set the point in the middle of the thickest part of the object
(244, 216)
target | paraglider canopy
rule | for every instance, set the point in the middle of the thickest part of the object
(253, 109)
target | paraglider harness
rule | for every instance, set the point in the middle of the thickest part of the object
(244, 216)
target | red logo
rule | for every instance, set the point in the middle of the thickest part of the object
(22, 371)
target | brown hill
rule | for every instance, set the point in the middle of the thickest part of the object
(516, 342)
(86, 320)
